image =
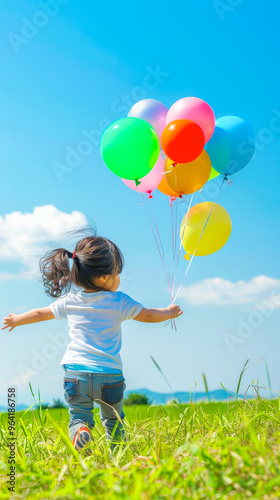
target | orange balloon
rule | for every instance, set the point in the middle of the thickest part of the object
(164, 188)
(182, 141)
(186, 178)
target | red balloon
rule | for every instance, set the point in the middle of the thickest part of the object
(182, 141)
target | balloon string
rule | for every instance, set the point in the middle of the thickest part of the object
(160, 240)
(172, 235)
(181, 243)
(225, 178)
(154, 235)
(176, 228)
(173, 255)
(176, 224)
(184, 276)
(161, 244)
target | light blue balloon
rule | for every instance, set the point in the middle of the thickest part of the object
(232, 145)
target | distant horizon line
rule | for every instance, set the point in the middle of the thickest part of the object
(224, 396)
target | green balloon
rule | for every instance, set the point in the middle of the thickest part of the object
(213, 174)
(130, 148)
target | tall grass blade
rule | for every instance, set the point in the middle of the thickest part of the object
(206, 386)
(161, 372)
(267, 375)
(241, 375)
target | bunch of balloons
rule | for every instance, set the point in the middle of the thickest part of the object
(177, 151)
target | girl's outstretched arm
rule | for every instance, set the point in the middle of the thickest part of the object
(158, 315)
(26, 318)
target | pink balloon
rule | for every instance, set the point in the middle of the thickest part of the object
(196, 110)
(152, 111)
(151, 181)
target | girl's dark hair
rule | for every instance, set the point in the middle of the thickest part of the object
(95, 257)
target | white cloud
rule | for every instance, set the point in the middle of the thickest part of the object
(220, 292)
(24, 237)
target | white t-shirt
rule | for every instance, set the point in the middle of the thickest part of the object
(95, 321)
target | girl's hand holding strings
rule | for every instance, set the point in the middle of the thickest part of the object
(175, 311)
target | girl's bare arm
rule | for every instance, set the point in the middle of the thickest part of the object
(26, 318)
(158, 315)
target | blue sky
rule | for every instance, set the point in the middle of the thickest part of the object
(76, 74)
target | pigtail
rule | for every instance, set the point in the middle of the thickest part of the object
(93, 257)
(55, 270)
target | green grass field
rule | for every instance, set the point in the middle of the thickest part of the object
(197, 451)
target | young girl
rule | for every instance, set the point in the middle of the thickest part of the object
(92, 362)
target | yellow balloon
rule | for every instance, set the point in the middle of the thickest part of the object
(216, 233)
(186, 178)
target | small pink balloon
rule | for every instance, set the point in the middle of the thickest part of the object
(151, 181)
(152, 111)
(196, 110)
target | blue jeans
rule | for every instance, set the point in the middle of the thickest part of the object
(81, 389)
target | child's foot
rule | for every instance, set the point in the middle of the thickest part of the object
(81, 438)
